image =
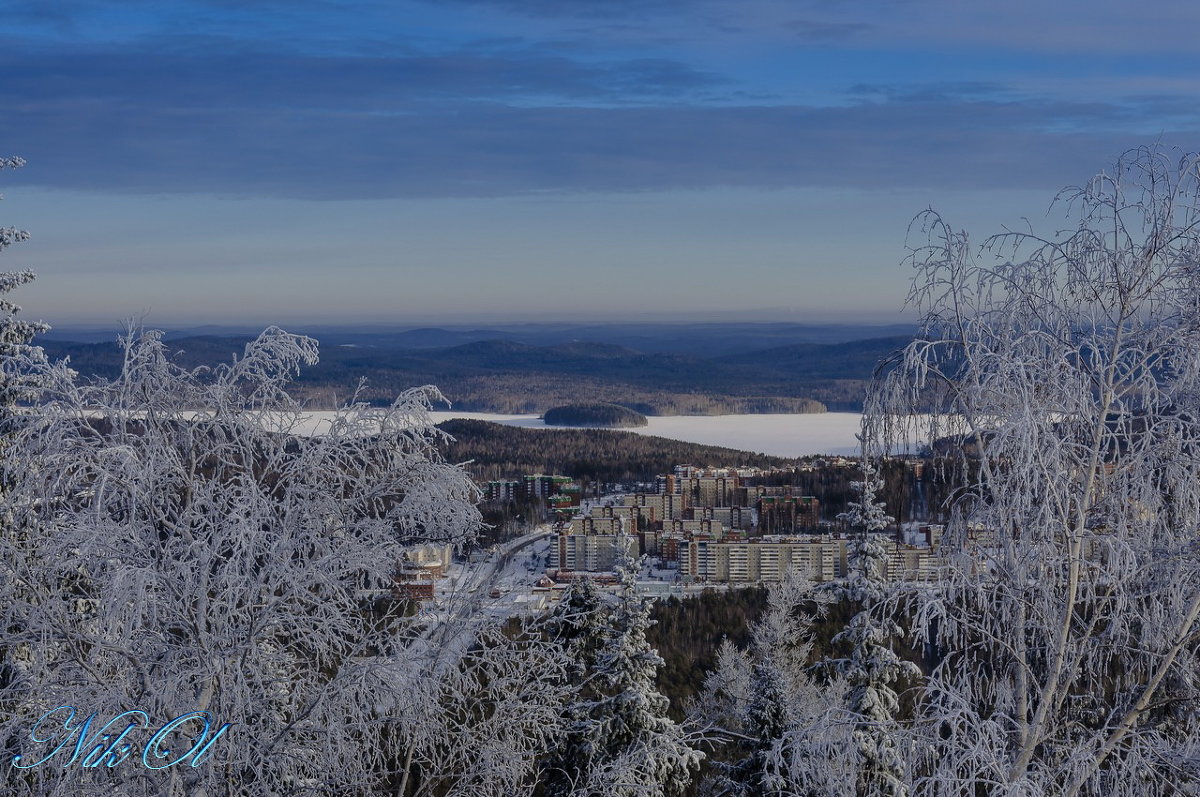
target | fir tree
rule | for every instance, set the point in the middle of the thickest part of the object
(782, 732)
(581, 625)
(640, 750)
(873, 666)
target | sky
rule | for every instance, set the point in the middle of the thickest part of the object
(418, 162)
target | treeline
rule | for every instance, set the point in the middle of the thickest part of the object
(495, 451)
(523, 393)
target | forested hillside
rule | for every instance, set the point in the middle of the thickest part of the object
(508, 376)
(595, 455)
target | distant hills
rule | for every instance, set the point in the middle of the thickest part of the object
(686, 369)
(701, 339)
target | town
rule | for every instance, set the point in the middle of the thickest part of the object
(696, 528)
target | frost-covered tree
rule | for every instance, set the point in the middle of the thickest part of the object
(17, 385)
(1063, 372)
(193, 552)
(15, 334)
(639, 750)
(483, 724)
(873, 666)
(778, 730)
(581, 624)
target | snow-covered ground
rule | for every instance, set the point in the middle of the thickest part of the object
(779, 435)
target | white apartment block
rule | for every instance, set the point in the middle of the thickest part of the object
(911, 563)
(765, 559)
(820, 558)
(732, 517)
(630, 516)
(593, 553)
(688, 527)
(592, 524)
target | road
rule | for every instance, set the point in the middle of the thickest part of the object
(453, 625)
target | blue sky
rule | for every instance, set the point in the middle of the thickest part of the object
(299, 161)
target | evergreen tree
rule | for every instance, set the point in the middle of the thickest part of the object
(640, 750)
(873, 666)
(784, 733)
(581, 624)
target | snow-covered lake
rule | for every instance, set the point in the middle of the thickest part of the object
(779, 435)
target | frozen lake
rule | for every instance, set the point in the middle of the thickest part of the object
(779, 435)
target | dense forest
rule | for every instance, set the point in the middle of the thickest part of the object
(495, 451)
(687, 634)
(595, 414)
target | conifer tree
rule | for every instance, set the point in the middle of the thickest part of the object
(873, 665)
(641, 751)
(581, 624)
(783, 731)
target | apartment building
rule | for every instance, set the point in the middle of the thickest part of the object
(732, 517)
(593, 524)
(502, 490)
(820, 558)
(763, 559)
(539, 485)
(911, 563)
(631, 517)
(592, 553)
(781, 512)
(656, 507)
(680, 527)
(704, 490)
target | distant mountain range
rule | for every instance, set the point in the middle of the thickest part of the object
(707, 339)
(676, 369)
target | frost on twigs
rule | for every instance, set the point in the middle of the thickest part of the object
(1059, 376)
(617, 738)
(15, 334)
(872, 668)
(776, 729)
(171, 547)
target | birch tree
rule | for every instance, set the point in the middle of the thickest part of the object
(1063, 371)
(194, 553)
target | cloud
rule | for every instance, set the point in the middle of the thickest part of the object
(823, 31)
(588, 9)
(467, 116)
(487, 149)
(208, 74)
(938, 91)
